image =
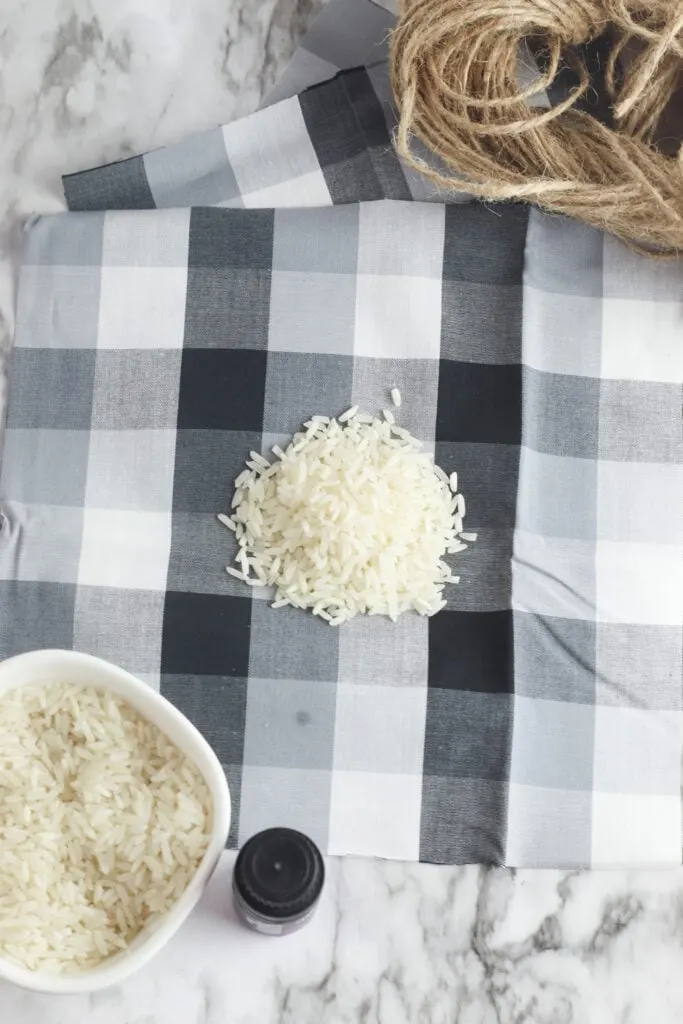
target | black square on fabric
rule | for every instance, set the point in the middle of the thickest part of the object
(468, 735)
(479, 402)
(242, 239)
(471, 651)
(119, 186)
(222, 389)
(206, 635)
(485, 243)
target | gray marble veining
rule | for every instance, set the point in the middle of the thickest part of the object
(85, 81)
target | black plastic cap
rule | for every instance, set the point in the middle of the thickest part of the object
(279, 873)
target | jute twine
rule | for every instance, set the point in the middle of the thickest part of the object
(455, 78)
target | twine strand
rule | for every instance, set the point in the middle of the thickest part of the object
(454, 70)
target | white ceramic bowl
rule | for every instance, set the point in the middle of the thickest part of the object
(86, 670)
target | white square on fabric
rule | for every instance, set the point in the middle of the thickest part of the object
(393, 240)
(639, 582)
(125, 549)
(251, 142)
(142, 307)
(553, 576)
(398, 746)
(634, 828)
(640, 501)
(306, 190)
(548, 828)
(375, 815)
(146, 238)
(131, 469)
(637, 751)
(397, 317)
(642, 340)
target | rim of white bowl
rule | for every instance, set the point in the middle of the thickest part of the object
(34, 666)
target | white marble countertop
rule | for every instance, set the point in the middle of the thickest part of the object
(83, 81)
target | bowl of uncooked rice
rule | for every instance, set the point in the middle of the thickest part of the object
(114, 811)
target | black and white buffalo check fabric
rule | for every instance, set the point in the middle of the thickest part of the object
(537, 719)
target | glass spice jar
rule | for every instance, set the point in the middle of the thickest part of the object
(277, 881)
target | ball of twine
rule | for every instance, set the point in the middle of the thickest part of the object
(454, 70)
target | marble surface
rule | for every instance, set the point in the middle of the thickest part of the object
(83, 81)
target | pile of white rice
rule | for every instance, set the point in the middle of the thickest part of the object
(352, 517)
(103, 823)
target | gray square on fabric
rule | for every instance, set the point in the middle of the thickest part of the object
(65, 240)
(485, 243)
(563, 255)
(42, 543)
(401, 239)
(312, 311)
(554, 576)
(35, 615)
(487, 478)
(416, 379)
(636, 419)
(206, 465)
(555, 658)
(484, 570)
(626, 654)
(557, 495)
(300, 385)
(561, 755)
(45, 466)
(123, 377)
(196, 173)
(380, 729)
(478, 806)
(288, 643)
(123, 626)
(468, 735)
(639, 502)
(290, 723)
(122, 184)
(318, 240)
(51, 389)
(201, 548)
(373, 649)
(227, 307)
(297, 798)
(562, 414)
(58, 307)
(481, 323)
(131, 469)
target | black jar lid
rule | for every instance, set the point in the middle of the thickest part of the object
(279, 873)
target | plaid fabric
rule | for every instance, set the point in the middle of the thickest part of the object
(536, 721)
